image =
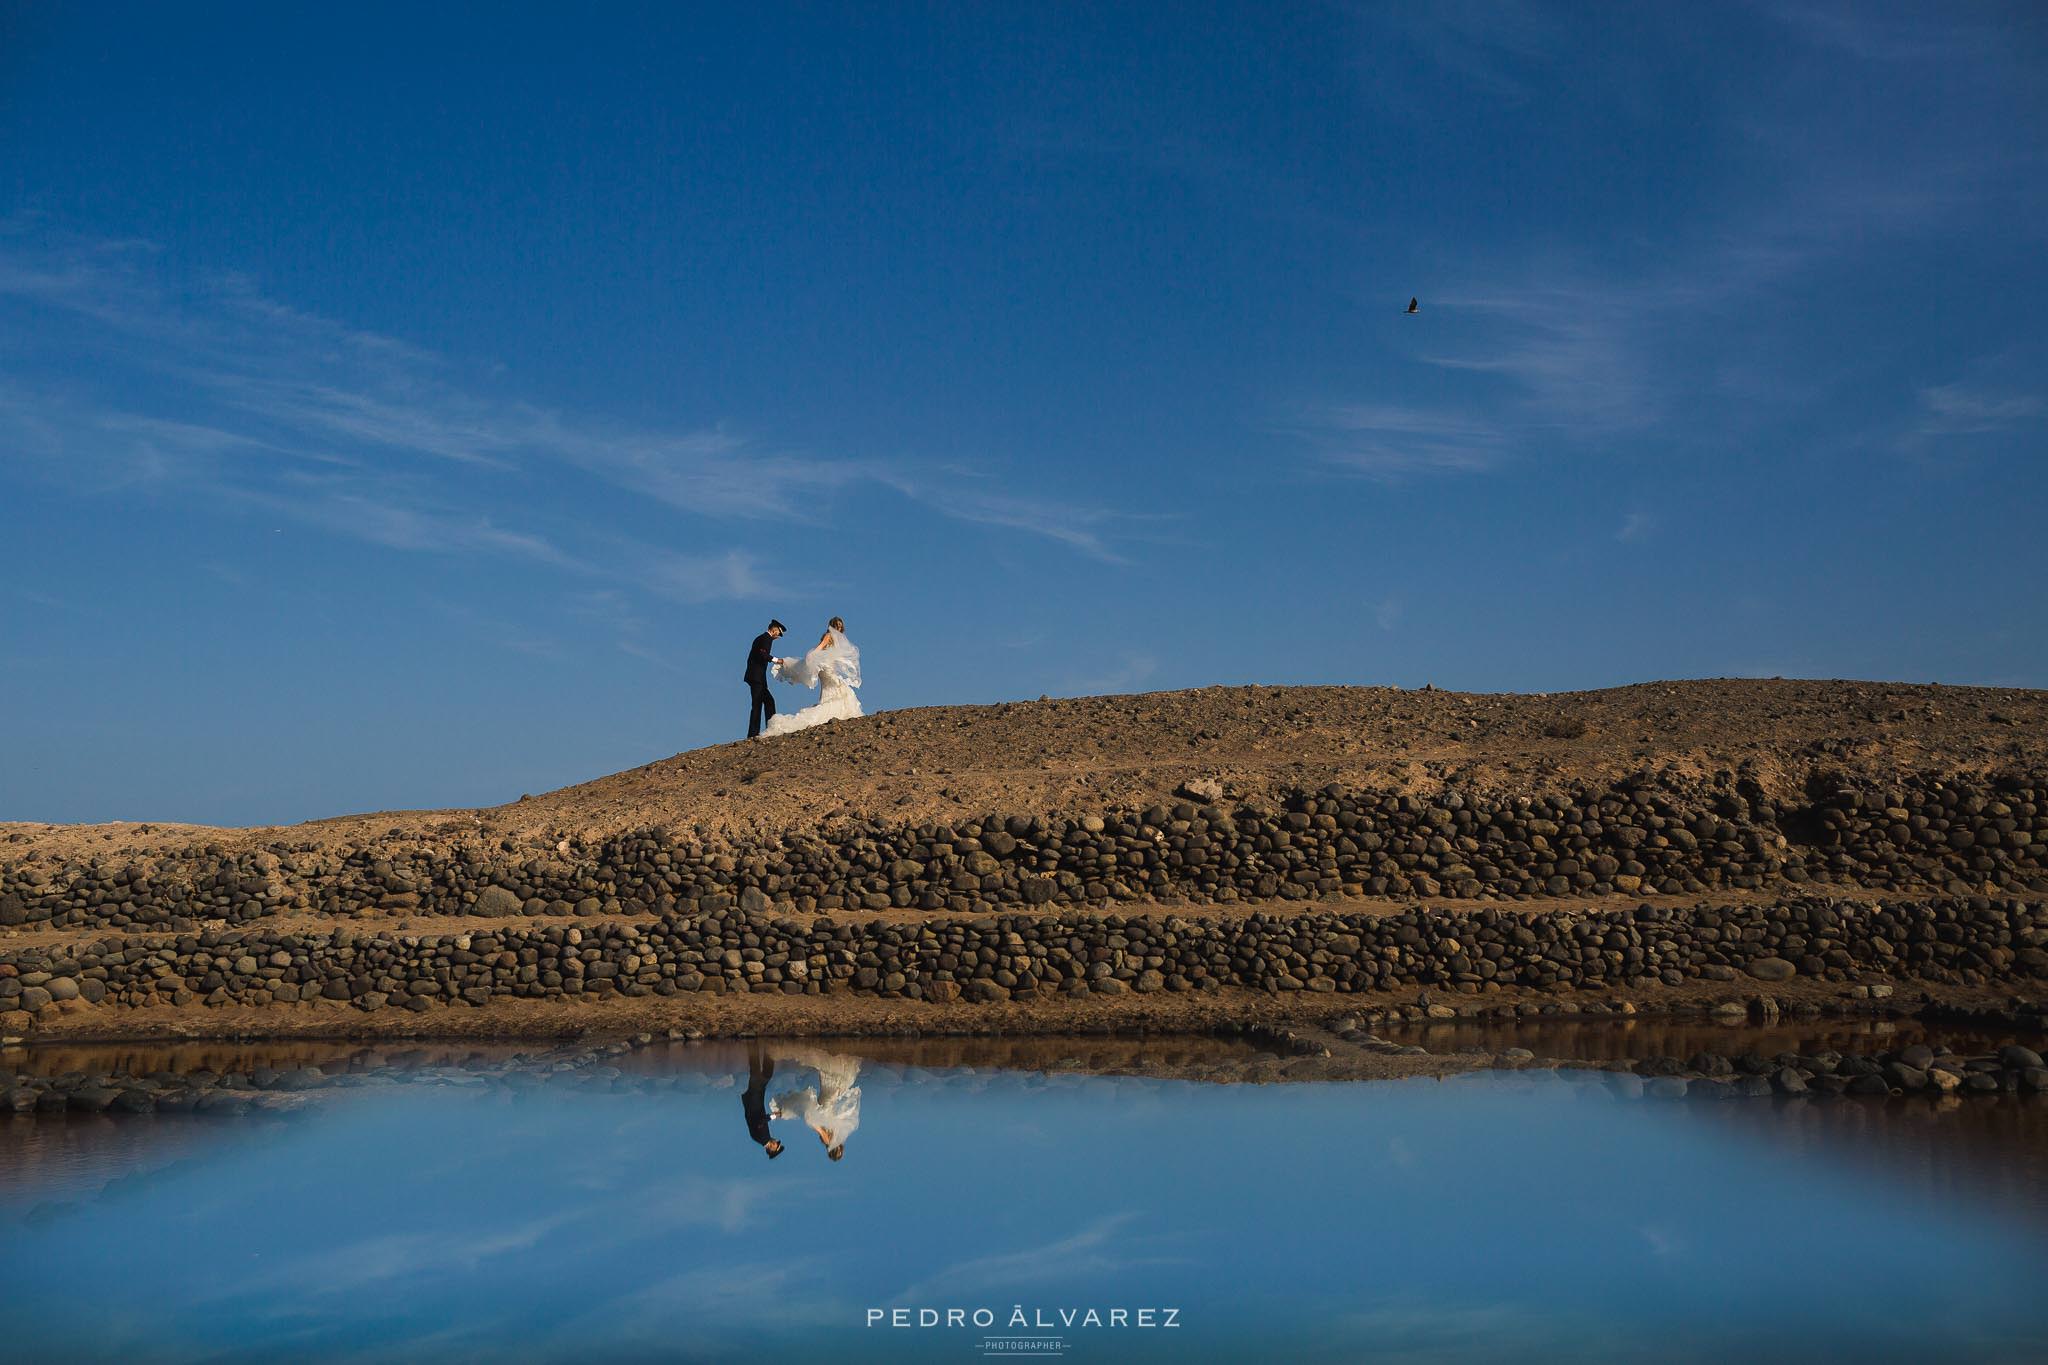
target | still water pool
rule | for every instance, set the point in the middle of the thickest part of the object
(637, 1217)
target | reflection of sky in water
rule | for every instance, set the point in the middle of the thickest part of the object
(1465, 1220)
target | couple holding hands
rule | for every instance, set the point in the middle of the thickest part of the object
(832, 666)
(830, 1108)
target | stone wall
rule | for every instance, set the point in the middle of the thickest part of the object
(1927, 832)
(1961, 940)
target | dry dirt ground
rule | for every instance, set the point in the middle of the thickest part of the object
(865, 1016)
(1093, 754)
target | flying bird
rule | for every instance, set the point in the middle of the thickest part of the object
(1414, 306)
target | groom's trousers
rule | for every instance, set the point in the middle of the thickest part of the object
(762, 710)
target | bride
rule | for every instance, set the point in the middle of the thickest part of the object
(833, 667)
(831, 1108)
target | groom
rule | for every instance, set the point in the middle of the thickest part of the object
(754, 1099)
(758, 659)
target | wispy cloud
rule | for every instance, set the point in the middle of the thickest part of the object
(1959, 410)
(352, 1266)
(957, 494)
(730, 1204)
(1662, 1241)
(1389, 442)
(733, 575)
(1635, 528)
(1402, 1330)
(1488, 45)
(400, 521)
(1132, 670)
(1573, 350)
(1690, 334)
(716, 1309)
(213, 387)
(1871, 34)
(40, 599)
(1091, 1251)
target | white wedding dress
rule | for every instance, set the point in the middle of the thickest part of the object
(831, 1108)
(834, 669)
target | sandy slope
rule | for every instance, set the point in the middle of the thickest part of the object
(1093, 753)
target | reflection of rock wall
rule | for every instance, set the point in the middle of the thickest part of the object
(1969, 940)
(1944, 1149)
(1949, 834)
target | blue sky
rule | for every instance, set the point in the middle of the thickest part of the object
(418, 408)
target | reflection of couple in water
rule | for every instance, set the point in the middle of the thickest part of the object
(831, 1108)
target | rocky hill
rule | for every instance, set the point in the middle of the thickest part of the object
(1215, 797)
(1847, 840)
(1092, 755)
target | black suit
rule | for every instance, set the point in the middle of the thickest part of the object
(758, 659)
(753, 1098)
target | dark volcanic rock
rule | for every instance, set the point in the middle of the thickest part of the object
(1931, 831)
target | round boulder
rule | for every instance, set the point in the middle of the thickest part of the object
(497, 901)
